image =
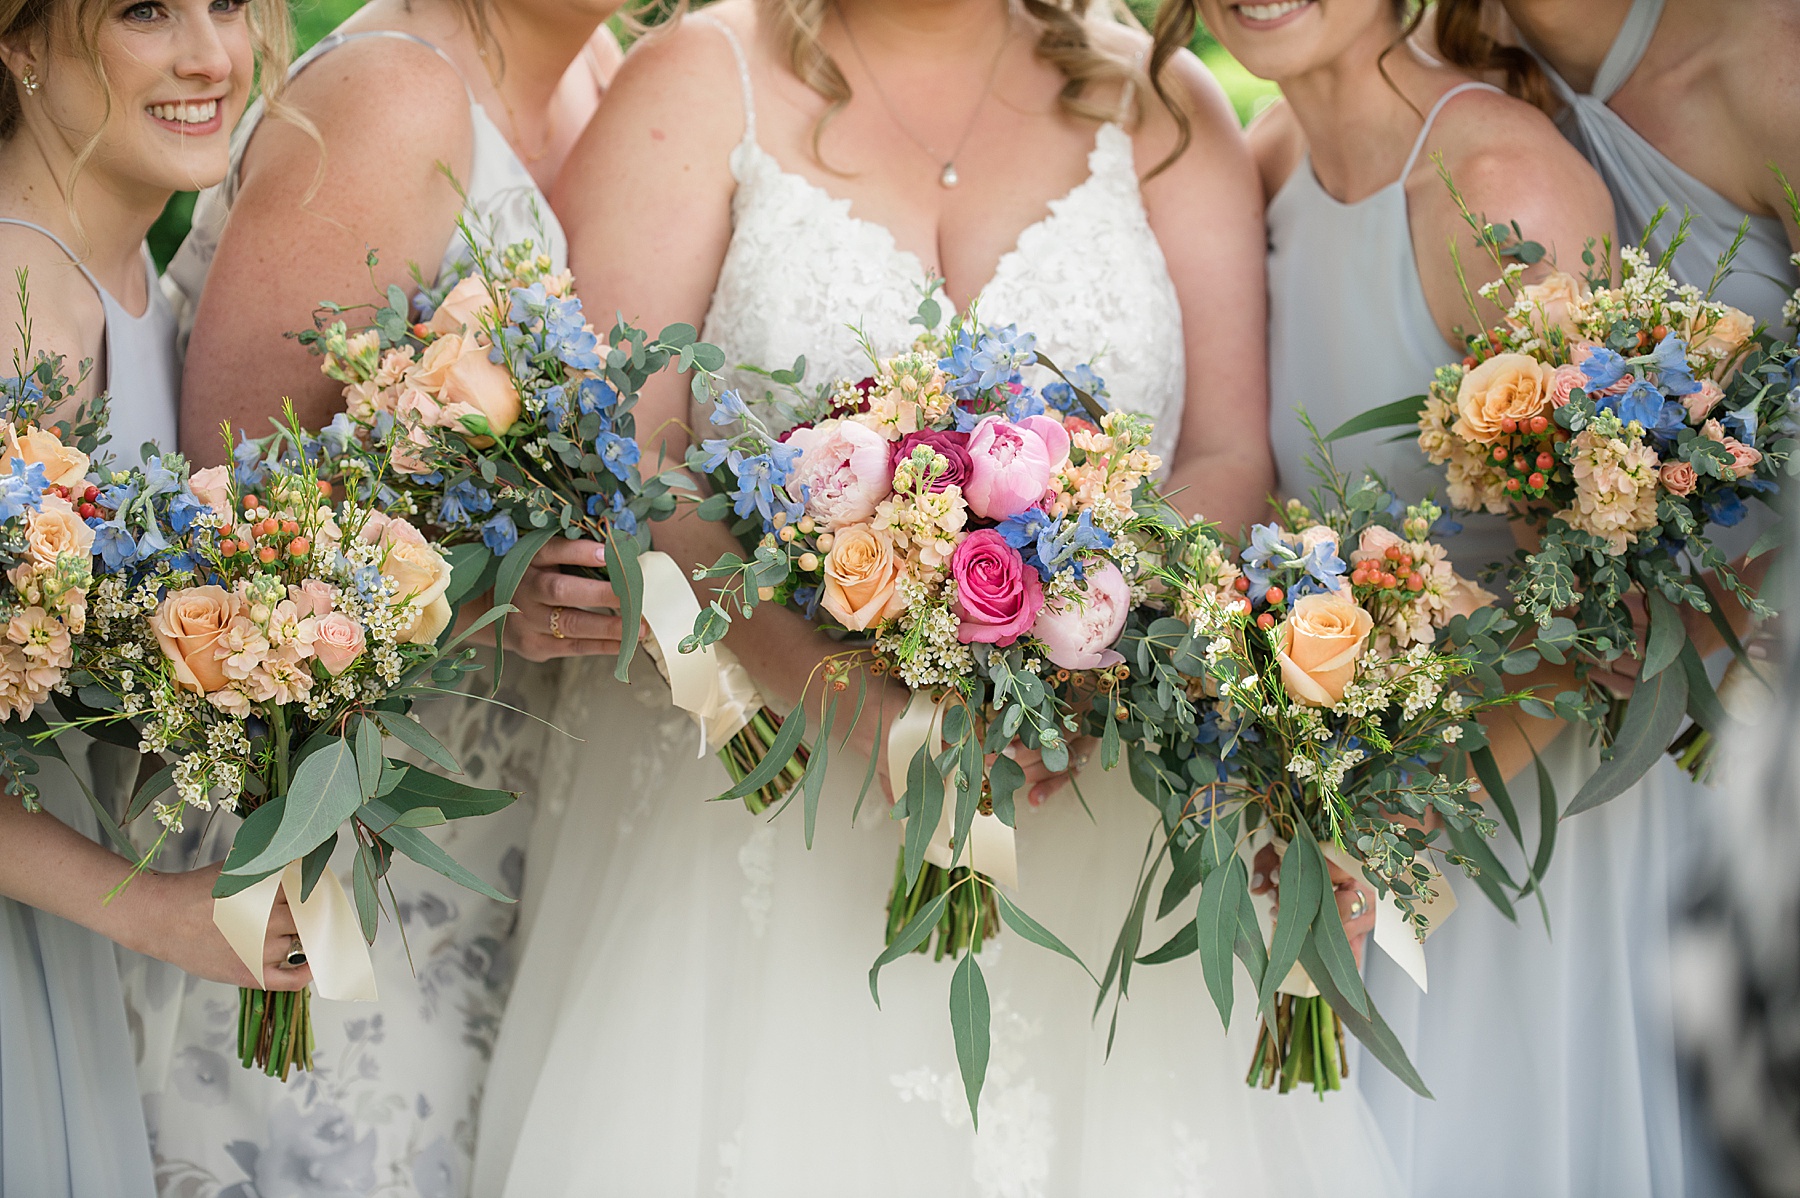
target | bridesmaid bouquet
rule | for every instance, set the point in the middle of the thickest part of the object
(1616, 423)
(1326, 703)
(982, 546)
(265, 639)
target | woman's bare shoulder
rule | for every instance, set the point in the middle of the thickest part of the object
(65, 313)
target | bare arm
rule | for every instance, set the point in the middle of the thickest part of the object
(1207, 213)
(646, 199)
(66, 316)
(388, 113)
(48, 865)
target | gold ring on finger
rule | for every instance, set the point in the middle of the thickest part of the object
(556, 624)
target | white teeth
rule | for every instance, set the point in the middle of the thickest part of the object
(1272, 12)
(193, 113)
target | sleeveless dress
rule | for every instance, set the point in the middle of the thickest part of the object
(1552, 1069)
(70, 1123)
(390, 1107)
(713, 1032)
(1642, 178)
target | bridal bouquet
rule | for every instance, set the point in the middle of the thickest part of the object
(1617, 423)
(265, 639)
(983, 547)
(1327, 703)
(503, 419)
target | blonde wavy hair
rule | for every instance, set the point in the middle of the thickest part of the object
(1065, 43)
(76, 24)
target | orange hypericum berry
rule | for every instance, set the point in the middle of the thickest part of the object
(1512, 484)
(1545, 460)
(1389, 581)
(1499, 453)
(1242, 584)
(91, 494)
(1539, 423)
(1265, 621)
(1469, 362)
(1660, 331)
(299, 546)
(1392, 553)
(324, 487)
(266, 554)
(1535, 482)
(88, 511)
(227, 547)
(1274, 595)
(290, 527)
(1508, 425)
(1416, 583)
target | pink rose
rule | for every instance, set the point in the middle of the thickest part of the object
(1375, 543)
(1011, 464)
(997, 594)
(1564, 382)
(337, 641)
(1701, 402)
(212, 486)
(1743, 458)
(313, 598)
(373, 527)
(953, 445)
(1678, 478)
(844, 471)
(1081, 635)
(1712, 430)
(1316, 535)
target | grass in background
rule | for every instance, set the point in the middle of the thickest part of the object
(313, 19)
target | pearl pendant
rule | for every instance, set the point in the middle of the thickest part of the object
(948, 177)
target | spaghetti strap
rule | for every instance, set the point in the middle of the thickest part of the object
(1431, 118)
(1128, 93)
(332, 41)
(1627, 49)
(61, 245)
(743, 66)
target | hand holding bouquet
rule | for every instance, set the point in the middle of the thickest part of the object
(979, 546)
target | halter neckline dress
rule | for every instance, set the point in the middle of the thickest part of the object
(70, 1122)
(706, 1026)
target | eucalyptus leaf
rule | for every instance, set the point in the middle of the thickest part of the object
(911, 937)
(969, 1026)
(1216, 925)
(325, 791)
(1654, 715)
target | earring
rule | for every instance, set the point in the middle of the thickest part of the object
(28, 79)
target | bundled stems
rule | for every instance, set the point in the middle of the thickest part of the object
(747, 749)
(1303, 1046)
(275, 1032)
(971, 908)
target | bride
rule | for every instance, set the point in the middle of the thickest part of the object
(693, 1014)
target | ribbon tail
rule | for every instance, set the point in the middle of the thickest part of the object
(1394, 933)
(992, 848)
(708, 683)
(243, 919)
(332, 937)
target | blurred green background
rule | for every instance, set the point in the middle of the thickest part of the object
(313, 19)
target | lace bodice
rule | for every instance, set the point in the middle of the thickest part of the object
(802, 273)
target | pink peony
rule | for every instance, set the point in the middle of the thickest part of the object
(1080, 636)
(997, 594)
(953, 445)
(1678, 478)
(844, 471)
(1011, 464)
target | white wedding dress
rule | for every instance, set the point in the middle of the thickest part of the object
(693, 1013)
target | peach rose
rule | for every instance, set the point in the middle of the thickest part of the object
(1318, 645)
(463, 308)
(1744, 459)
(1374, 544)
(1556, 298)
(1678, 478)
(190, 625)
(54, 529)
(337, 641)
(422, 577)
(860, 573)
(1506, 386)
(1564, 382)
(63, 466)
(1724, 337)
(456, 370)
(212, 486)
(1699, 403)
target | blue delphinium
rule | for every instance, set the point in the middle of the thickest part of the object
(1061, 396)
(21, 490)
(1670, 361)
(729, 408)
(499, 533)
(995, 361)
(1063, 544)
(618, 454)
(595, 395)
(184, 509)
(247, 463)
(1022, 532)
(758, 478)
(1603, 368)
(115, 544)
(1324, 571)
(1267, 553)
(462, 502)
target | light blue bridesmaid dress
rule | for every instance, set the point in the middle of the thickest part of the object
(1642, 179)
(1550, 1056)
(71, 1125)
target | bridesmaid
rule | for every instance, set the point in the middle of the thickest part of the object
(1550, 1079)
(495, 91)
(105, 111)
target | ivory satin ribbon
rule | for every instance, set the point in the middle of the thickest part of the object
(991, 848)
(326, 923)
(708, 683)
(1393, 932)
